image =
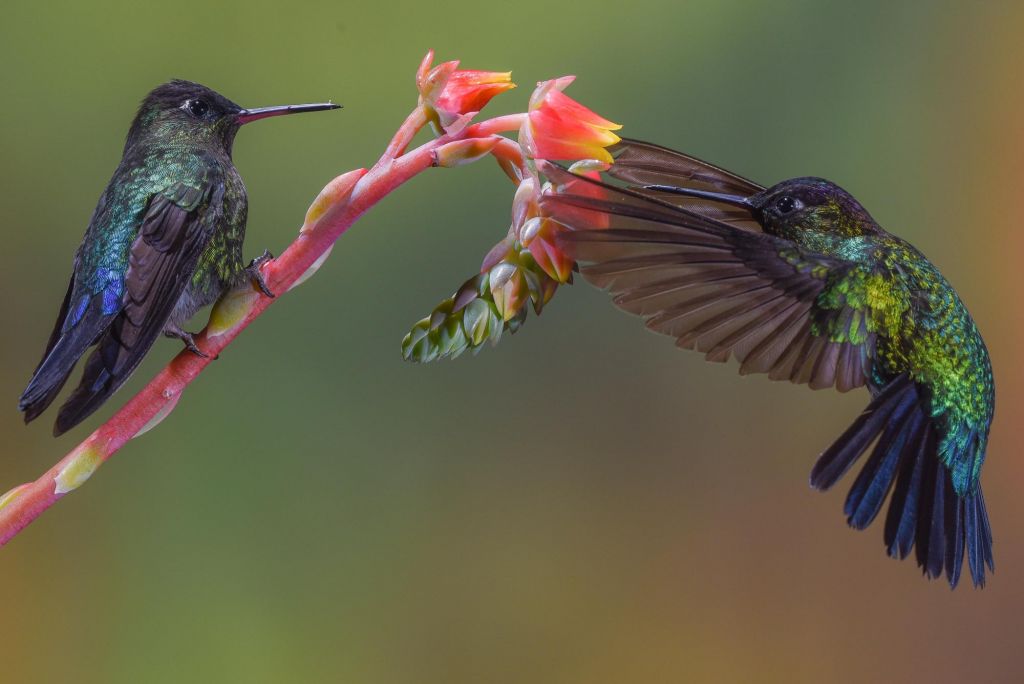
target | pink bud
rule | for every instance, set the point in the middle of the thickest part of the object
(464, 151)
(524, 204)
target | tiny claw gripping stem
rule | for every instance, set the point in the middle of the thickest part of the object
(253, 269)
(172, 330)
(190, 344)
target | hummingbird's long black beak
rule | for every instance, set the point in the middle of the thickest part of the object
(735, 200)
(247, 115)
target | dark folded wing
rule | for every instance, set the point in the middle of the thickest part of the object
(641, 164)
(715, 288)
(82, 318)
(174, 232)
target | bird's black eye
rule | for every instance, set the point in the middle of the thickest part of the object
(197, 108)
(787, 204)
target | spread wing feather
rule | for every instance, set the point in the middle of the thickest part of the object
(643, 164)
(718, 289)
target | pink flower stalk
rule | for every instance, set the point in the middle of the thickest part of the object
(452, 93)
(558, 127)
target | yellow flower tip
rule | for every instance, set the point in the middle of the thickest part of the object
(78, 470)
(230, 310)
(470, 77)
(602, 155)
(13, 494)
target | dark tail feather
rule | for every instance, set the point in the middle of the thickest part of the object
(924, 508)
(838, 458)
(931, 525)
(898, 443)
(96, 386)
(109, 366)
(62, 353)
(901, 520)
(979, 537)
(955, 534)
(34, 403)
(41, 390)
(986, 531)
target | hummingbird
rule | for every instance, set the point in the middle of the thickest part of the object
(798, 281)
(164, 241)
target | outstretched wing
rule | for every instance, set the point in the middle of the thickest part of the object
(174, 231)
(777, 308)
(643, 164)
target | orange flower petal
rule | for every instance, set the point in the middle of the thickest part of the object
(570, 108)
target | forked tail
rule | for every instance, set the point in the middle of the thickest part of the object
(924, 510)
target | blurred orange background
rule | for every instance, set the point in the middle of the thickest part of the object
(583, 503)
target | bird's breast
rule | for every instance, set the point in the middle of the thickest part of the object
(221, 265)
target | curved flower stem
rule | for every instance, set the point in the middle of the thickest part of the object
(498, 124)
(511, 160)
(412, 125)
(337, 207)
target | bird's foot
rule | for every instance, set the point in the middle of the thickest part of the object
(256, 275)
(190, 342)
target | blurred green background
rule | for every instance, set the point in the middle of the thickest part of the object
(582, 504)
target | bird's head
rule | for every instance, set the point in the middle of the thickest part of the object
(810, 204)
(190, 113)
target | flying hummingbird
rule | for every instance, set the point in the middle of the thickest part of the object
(164, 241)
(800, 282)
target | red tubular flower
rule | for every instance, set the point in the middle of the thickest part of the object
(452, 93)
(558, 127)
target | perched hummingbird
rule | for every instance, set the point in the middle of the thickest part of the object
(800, 282)
(164, 241)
